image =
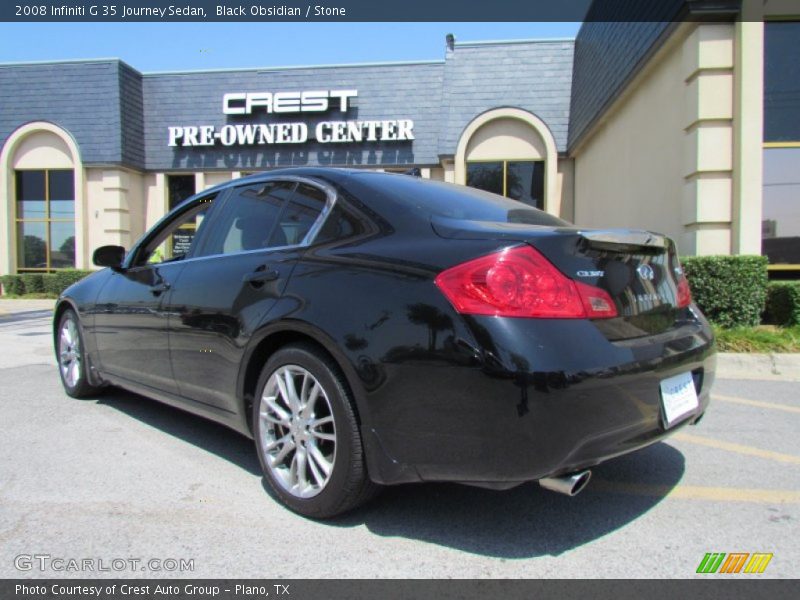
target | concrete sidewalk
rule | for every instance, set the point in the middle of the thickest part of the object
(770, 367)
(11, 307)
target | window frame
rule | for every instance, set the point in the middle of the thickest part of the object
(168, 221)
(167, 208)
(504, 162)
(778, 267)
(46, 220)
(216, 235)
(774, 19)
(223, 202)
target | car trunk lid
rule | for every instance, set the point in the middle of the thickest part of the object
(638, 269)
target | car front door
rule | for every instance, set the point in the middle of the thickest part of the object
(130, 322)
(226, 290)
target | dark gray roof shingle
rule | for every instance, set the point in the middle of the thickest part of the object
(82, 97)
(535, 76)
(402, 91)
(608, 54)
(120, 116)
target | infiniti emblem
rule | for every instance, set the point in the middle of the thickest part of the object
(645, 271)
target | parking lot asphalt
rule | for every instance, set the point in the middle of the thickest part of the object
(123, 478)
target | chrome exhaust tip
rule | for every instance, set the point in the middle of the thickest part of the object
(569, 485)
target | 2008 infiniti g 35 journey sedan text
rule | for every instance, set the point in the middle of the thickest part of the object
(368, 328)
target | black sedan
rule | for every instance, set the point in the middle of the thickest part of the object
(368, 328)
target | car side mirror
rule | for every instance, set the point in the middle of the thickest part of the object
(109, 256)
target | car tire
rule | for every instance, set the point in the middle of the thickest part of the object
(71, 356)
(307, 434)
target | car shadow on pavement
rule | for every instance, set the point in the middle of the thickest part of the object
(28, 315)
(205, 434)
(524, 522)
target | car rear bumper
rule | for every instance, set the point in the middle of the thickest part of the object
(540, 399)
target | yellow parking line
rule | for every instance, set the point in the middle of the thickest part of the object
(696, 492)
(738, 448)
(758, 403)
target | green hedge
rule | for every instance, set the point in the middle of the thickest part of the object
(783, 303)
(12, 284)
(730, 290)
(32, 283)
(55, 283)
(37, 283)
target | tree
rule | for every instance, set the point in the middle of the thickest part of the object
(68, 249)
(34, 251)
(431, 317)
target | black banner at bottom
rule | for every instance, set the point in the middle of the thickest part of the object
(296, 589)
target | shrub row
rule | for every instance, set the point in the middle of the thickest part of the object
(37, 283)
(730, 290)
(783, 303)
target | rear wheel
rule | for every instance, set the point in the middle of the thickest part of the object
(307, 434)
(71, 355)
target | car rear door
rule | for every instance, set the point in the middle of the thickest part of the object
(225, 291)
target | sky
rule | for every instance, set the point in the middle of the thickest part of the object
(152, 47)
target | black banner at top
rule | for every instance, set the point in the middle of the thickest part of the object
(364, 10)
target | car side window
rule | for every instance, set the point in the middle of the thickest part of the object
(299, 216)
(249, 218)
(175, 240)
(274, 214)
(341, 224)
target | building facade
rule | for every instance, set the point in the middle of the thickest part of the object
(685, 127)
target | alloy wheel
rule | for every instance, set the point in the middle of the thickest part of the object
(298, 431)
(69, 352)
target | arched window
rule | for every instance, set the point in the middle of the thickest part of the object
(509, 152)
(43, 179)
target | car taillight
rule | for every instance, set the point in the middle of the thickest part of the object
(520, 282)
(684, 293)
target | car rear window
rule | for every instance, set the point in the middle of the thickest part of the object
(433, 198)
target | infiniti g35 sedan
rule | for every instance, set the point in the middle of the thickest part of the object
(368, 329)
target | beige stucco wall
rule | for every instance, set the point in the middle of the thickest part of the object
(565, 189)
(449, 170)
(680, 151)
(155, 198)
(42, 149)
(508, 139)
(116, 207)
(748, 135)
(630, 172)
(211, 179)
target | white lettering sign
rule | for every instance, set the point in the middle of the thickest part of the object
(246, 103)
(258, 134)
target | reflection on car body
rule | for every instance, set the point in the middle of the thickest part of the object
(367, 328)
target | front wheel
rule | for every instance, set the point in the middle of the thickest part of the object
(307, 434)
(71, 354)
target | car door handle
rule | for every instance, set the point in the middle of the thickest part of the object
(261, 275)
(159, 288)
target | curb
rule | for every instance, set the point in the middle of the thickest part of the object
(774, 367)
